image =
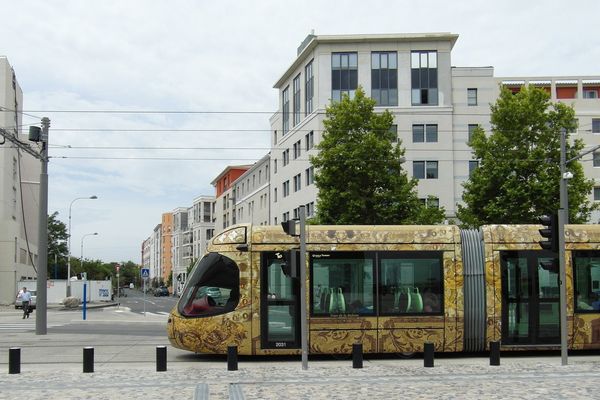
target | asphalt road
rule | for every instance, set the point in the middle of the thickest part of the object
(137, 302)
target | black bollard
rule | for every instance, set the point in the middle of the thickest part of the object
(232, 359)
(161, 358)
(428, 357)
(357, 355)
(494, 353)
(88, 359)
(14, 360)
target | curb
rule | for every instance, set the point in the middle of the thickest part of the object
(88, 306)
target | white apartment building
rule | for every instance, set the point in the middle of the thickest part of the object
(435, 106)
(155, 253)
(181, 247)
(251, 194)
(19, 193)
(202, 228)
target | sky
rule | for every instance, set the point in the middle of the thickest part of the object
(212, 65)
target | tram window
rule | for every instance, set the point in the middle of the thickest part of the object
(587, 281)
(342, 283)
(411, 283)
(213, 287)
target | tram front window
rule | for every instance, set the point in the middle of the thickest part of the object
(213, 287)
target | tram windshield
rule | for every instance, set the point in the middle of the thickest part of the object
(213, 287)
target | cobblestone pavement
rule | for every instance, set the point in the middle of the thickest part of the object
(387, 379)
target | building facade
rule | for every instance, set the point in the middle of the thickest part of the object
(435, 106)
(166, 245)
(225, 212)
(202, 225)
(251, 194)
(19, 193)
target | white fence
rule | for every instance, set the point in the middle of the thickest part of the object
(57, 290)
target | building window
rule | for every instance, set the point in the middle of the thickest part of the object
(308, 88)
(425, 169)
(473, 165)
(286, 157)
(286, 109)
(424, 78)
(597, 193)
(296, 85)
(596, 159)
(274, 166)
(286, 188)
(286, 216)
(472, 128)
(310, 209)
(309, 140)
(310, 175)
(595, 125)
(344, 75)
(587, 281)
(274, 137)
(384, 78)
(297, 182)
(297, 213)
(296, 149)
(590, 94)
(425, 133)
(274, 195)
(394, 131)
(472, 97)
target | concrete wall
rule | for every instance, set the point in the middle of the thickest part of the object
(57, 289)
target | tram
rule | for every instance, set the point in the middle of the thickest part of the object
(391, 288)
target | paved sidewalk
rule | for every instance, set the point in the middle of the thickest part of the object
(125, 369)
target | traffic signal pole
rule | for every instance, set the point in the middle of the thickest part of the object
(562, 219)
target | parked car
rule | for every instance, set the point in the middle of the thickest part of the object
(161, 291)
(32, 303)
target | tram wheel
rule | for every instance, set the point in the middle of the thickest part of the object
(405, 355)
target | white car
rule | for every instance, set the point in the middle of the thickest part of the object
(32, 303)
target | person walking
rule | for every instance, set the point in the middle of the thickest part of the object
(25, 299)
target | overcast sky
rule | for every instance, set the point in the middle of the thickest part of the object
(221, 56)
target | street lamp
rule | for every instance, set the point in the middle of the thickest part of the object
(69, 243)
(83, 237)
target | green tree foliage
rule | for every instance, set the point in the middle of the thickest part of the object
(358, 170)
(519, 173)
(57, 247)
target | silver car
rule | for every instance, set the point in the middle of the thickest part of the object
(32, 303)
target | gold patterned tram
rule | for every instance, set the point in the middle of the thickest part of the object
(391, 288)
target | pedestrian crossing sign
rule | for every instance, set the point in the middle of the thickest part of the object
(145, 272)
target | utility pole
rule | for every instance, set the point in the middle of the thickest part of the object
(42, 268)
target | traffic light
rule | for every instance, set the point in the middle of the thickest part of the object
(550, 232)
(290, 262)
(289, 227)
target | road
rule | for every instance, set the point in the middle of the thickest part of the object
(135, 301)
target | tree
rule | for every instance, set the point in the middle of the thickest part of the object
(57, 245)
(518, 177)
(358, 169)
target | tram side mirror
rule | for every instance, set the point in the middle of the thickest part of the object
(290, 263)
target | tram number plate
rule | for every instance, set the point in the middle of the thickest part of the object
(280, 344)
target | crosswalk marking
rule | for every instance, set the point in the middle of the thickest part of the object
(22, 326)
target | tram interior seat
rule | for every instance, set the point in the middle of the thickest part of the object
(201, 305)
(333, 301)
(408, 299)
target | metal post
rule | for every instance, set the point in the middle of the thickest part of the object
(161, 358)
(42, 267)
(428, 356)
(232, 358)
(357, 355)
(303, 313)
(69, 243)
(84, 307)
(88, 359)
(14, 360)
(562, 218)
(495, 353)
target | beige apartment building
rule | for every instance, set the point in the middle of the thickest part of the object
(436, 106)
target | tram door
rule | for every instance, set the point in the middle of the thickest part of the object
(530, 298)
(280, 308)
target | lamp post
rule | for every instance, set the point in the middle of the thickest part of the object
(69, 243)
(83, 237)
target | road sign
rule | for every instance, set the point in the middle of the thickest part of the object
(145, 272)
